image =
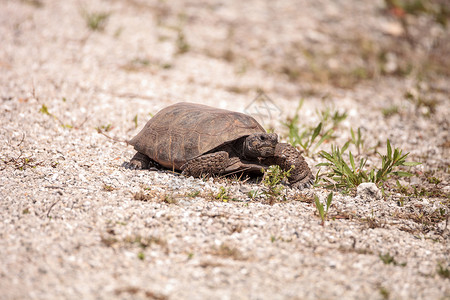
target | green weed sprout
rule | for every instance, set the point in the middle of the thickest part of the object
(308, 136)
(320, 208)
(95, 21)
(272, 180)
(222, 195)
(357, 139)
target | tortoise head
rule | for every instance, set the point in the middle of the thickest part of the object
(260, 145)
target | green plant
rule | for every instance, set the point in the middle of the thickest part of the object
(135, 121)
(326, 117)
(222, 195)
(137, 64)
(347, 176)
(141, 255)
(443, 271)
(35, 3)
(323, 212)
(170, 199)
(388, 259)
(141, 196)
(384, 292)
(108, 188)
(310, 138)
(273, 178)
(434, 180)
(145, 242)
(95, 21)
(389, 162)
(437, 9)
(430, 192)
(193, 194)
(253, 194)
(357, 139)
(20, 162)
(44, 110)
(181, 43)
(390, 111)
(402, 189)
(104, 128)
(307, 137)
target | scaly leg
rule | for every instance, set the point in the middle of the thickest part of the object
(208, 164)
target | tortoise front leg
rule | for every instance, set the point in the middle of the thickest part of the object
(208, 164)
(287, 156)
(138, 162)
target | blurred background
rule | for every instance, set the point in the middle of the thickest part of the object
(129, 47)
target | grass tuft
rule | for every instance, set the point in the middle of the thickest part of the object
(273, 180)
(387, 259)
(348, 175)
(310, 138)
(95, 21)
(222, 195)
(443, 271)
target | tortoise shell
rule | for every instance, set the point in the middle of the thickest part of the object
(183, 131)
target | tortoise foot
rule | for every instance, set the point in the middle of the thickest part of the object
(305, 183)
(289, 159)
(138, 162)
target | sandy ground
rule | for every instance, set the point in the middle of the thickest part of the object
(73, 225)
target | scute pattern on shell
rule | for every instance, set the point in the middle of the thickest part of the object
(184, 131)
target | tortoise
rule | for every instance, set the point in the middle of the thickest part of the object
(202, 140)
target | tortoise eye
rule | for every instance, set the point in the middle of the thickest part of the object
(263, 138)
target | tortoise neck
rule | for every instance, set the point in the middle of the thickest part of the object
(239, 147)
(244, 149)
